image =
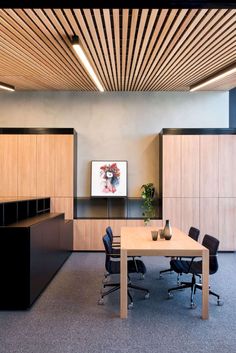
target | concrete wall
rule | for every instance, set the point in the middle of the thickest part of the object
(116, 125)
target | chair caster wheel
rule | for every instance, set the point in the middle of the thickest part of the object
(160, 276)
(130, 306)
(170, 295)
(105, 280)
(220, 302)
(147, 295)
(193, 306)
(142, 276)
(101, 301)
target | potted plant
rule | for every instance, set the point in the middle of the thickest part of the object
(147, 194)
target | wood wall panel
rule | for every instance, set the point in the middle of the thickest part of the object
(227, 166)
(209, 166)
(8, 163)
(88, 234)
(209, 216)
(172, 211)
(227, 230)
(26, 165)
(190, 213)
(82, 231)
(171, 166)
(64, 160)
(63, 205)
(116, 225)
(190, 166)
(45, 165)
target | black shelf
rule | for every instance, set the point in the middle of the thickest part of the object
(16, 210)
(112, 208)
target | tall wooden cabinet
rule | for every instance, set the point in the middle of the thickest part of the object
(39, 163)
(199, 187)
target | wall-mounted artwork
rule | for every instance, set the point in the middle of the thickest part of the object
(109, 178)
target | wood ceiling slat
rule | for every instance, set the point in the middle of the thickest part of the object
(142, 23)
(45, 36)
(88, 47)
(134, 18)
(97, 14)
(202, 49)
(98, 47)
(129, 49)
(27, 42)
(107, 19)
(125, 21)
(150, 25)
(154, 44)
(176, 23)
(173, 45)
(116, 21)
(55, 36)
(203, 34)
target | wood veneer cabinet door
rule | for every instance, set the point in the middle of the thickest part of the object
(116, 225)
(172, 166)
(209, 216)
(82, 234)
(64, 158)
(88, 234)
(209, 166)
(172, 210)
(227, 236)
(190, 166)
(8, 163)
(63, 205)
(190, 213)
(227, 166)
(26, 165)
(45, 165)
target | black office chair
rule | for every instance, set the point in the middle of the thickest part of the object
(112, 266)
(195, 268)
(194, 234)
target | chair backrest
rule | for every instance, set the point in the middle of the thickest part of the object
(108, 250)
(194, 233)
(109, 233)
(212, 244)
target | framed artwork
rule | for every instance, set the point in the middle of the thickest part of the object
(109, 178)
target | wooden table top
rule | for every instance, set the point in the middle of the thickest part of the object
(140, 238)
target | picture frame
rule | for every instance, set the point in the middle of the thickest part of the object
(109, 178)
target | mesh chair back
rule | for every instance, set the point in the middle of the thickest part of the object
(194, 233)
(108, 250)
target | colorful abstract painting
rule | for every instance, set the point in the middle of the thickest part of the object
(109, 178)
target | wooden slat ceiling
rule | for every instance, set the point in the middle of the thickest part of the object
(129, 49)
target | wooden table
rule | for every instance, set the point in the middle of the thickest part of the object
(138, 241)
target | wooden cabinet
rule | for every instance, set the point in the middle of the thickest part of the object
(209, 166)
(190, 166)
(64, 159)
(45, 165)
(206, 165)
(209, 216)
(189, 213)
(171, 166)
(26, 165)
(8, 163)
(227, 232)
(172, 211)
(39, 165)
(227, 166)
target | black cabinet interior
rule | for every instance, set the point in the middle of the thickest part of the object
(113, 208)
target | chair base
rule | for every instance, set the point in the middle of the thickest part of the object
(194, 286)
(116, 286)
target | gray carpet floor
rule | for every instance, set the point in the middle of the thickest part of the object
(67, 319)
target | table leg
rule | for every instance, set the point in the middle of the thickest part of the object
(205, 284)
(123, 285)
